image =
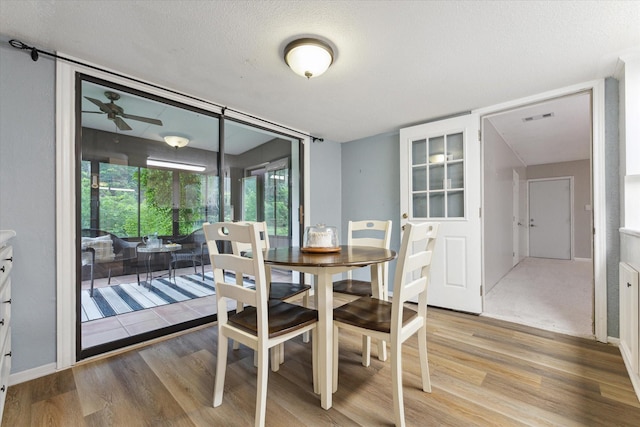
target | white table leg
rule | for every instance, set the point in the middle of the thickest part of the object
(324, 299)
(378, 291)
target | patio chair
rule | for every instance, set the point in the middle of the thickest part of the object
(194, 251)
(106, 250)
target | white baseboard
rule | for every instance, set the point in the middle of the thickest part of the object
(32, 374)
(583, 259)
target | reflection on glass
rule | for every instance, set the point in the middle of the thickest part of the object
(419, 152)
(436, 149)
(249, 198)
(436, 175)
(455, 173)
(419, 179)
(420, 205)
(455, 204)
(454, 146)
(436, 205)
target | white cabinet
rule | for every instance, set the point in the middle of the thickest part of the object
(630, 323)
(6, 263)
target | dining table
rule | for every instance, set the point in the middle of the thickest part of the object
(323, 265)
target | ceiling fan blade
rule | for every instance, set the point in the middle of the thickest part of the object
(122, 125)
(94, 112)
(100, 104)
(143, 119)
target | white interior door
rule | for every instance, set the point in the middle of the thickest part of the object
(440, 181)
(516, 217)
(550, 218)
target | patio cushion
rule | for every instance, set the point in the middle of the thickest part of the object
(103, 245)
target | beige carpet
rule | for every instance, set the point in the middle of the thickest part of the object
(550, 294)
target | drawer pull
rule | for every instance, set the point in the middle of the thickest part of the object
(2, 268)
(8, 354)
(2, 389)
(7, 301)
(9, 259)
(2, 322)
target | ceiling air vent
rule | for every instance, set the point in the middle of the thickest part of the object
(538, 117)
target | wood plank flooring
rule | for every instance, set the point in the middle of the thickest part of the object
(484, 372)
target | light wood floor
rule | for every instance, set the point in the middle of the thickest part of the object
(484, 372)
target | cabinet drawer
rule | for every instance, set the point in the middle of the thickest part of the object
(6, 263)
(5, 309)
(5, 370)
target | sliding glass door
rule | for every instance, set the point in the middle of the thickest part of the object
(150, 173)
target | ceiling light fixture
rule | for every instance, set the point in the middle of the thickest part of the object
(308, 57)
(176, 141)
(172, 165)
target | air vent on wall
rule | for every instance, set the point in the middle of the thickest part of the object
(538, 117)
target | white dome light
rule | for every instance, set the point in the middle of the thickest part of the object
(308, 57)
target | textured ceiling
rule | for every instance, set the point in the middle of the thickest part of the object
(397, 63)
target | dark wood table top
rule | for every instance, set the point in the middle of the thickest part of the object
(348, 256)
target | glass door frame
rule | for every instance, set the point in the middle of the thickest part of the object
(129, 87)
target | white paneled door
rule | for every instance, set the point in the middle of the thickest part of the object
(550, 218)
(440, 181)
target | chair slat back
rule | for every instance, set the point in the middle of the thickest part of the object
(370, 233)
(240, 247)
(243, 234)
(414, 266)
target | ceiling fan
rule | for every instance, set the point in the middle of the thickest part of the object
(116, 113)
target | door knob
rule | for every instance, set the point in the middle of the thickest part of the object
(405, 215)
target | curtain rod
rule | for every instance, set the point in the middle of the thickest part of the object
(35, 54)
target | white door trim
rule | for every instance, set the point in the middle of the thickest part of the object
(515, 225)
(598, 185)
(555, 178)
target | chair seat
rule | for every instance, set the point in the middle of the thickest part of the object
(282, 290)
(359, 288)
(283, 318)
(370, 313)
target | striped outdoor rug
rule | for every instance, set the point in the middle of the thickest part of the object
(125, 298)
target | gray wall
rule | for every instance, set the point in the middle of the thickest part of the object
(27, 202)
(371, 186)
(499, 163)
(612, 198)
(326, 185)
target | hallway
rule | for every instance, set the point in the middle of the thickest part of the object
(550, 294)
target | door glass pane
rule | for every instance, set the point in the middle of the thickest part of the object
(118, 199)
(249, 198)
(133, 185)
(436, 149)
(455, 175)
(454, 146)
(436, 176)
(419, 152)
(436, 205)
(455, 204)
(419, 180)
(420, 205)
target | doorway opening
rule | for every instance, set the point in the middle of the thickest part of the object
(539, 260)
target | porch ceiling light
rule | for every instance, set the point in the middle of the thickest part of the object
(173, 165)
(308, 57)
(176, 141)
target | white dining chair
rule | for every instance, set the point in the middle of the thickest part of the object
(392, 321)
(264, 323)
(281, 291)
(374, 233)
